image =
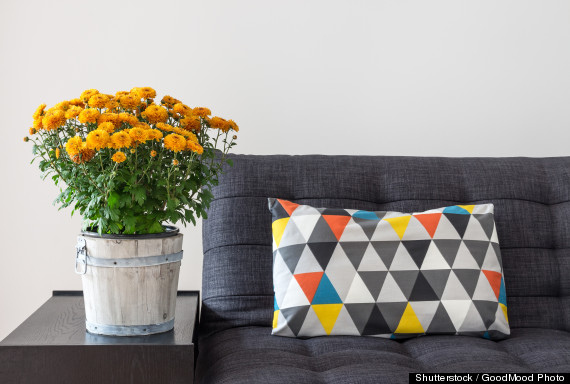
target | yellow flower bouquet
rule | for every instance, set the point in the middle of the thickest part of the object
(128, 165)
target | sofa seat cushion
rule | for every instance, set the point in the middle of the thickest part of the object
(252, 355)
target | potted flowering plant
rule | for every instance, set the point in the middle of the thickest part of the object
(128, 165)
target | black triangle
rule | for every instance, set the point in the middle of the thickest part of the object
(360, 313)
(405, 280)
(441, 323)
(487, 311)
(448, 249)
(459, 222)
(354, 251)
(278, 212)
(295, 317)
(437, 279)
(335, 212)
(478, 249)
(368, 226)
(291, 255)
(392, 313)
(374, 280)
(322, 232)
(423, 291)
(487, 223)
(417, 249)
(386, 250)
(323, 252)
(468, 278)
(497, 250)
(376, 324)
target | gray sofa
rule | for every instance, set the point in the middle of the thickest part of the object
(532, 208)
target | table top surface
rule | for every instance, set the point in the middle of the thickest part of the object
(61, 321)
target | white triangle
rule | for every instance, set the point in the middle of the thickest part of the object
(358, 292)
(282, 328)
(312, 325)
(445, 230)
(494, 237)
(294, 296)
(500, 323)
(425, 311)
(340, 272)
(305, 223)
(454, 289)
(483, 290)
(491, 262)
(457, 310)
(307, 263)
(415, 231)
(353, 232)
(390, 292)
(281, 279)
(391, 214)
(384, 232)
(371, 261)
(483, 208)
(402, 260)
(306, 210)
(473, 321)
(291, 235)
(474, 231)
(464, 259)
(434, 259)
(344, 324)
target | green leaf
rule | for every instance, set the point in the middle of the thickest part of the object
(113, 199)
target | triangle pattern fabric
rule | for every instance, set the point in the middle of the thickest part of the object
(288, 206)
(367, 225)
(326, 293)
(323, 252)
(406, 281)
(322, 233)
(371, 261)
(487, 223)
(441, 322)
(468, 278)
(429, 221)
(390, 291)
(354, 251)
(459, 222)
(437, 279)
(478, 249)
(448, 249)
(337, 224)
(386, 250)
(392, 313)
(409, 323)
(374, 281)
(360, 313)
(278, 228)
(344, 324)
(399, 224)
(376, 324)
(295, 317)
(340, 272)
(327, 314)
(425, 311)
(434, 259)
(494, 279)
(309, 282)
(291, 255)
(417, 250)
(359, 292)
(308, 262)
(422, 290)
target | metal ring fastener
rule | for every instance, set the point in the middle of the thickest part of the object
(81, 256)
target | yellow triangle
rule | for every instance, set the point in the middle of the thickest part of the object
(409, 322)
(468, 208)
(504, 308)
(275, 317)
(278, 229)
(327, 314)
(399, 224)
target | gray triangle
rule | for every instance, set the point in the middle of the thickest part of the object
(354, 250)
(295, 317)
(360, 313)
(322, 233)
(368, 226)
(374, 281)
(392, 313)
(497, 250)
(487, 223)
(291, 255)
(478, 250)
(441, 323)
(487, 311)
(437, 278)
(405, 280)
(448, 249)
(386, 250)
(468, 278)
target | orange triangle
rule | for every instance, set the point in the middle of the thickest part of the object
(495, 281)
(337, 224)
(288, 206)
(309, 283)
(429, 221)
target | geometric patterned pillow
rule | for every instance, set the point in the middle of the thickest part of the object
(387, 274)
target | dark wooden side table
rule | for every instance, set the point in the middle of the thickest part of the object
(52, 346)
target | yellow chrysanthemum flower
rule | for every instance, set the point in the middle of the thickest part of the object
(169, 101)
(38, 123)
(129, 101)
(73, 112)
(107, 127)
(138, 135)
(175, 142)
(119, 157)
(121, 140)
(109, 117)
(182, 109)
(39, 111)
(53, 119)
(86, 95)
(32, 131)
(155, 114)
(89, 115)
(98, 101)
(219, 123)
(175, 162)
(165, 127)
(112, 105)
(63, 105)
(154, 134)
(73, 146)
(191, 123)
(194, 147)
(97, 139)
(201, 111)
(128, 118)
(233, 125)
(144, 92)
(141, 125)
(77, 103)
(153, 153)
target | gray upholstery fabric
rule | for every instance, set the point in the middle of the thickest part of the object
(532, 208)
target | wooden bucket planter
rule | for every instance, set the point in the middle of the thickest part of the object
(129, 281)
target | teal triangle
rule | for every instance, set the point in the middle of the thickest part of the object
(503, 293)
(457, 210)
(275, 306)
(486, 335)
(365, 215)
(326, 294)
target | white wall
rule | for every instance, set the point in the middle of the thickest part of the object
(445, 78)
